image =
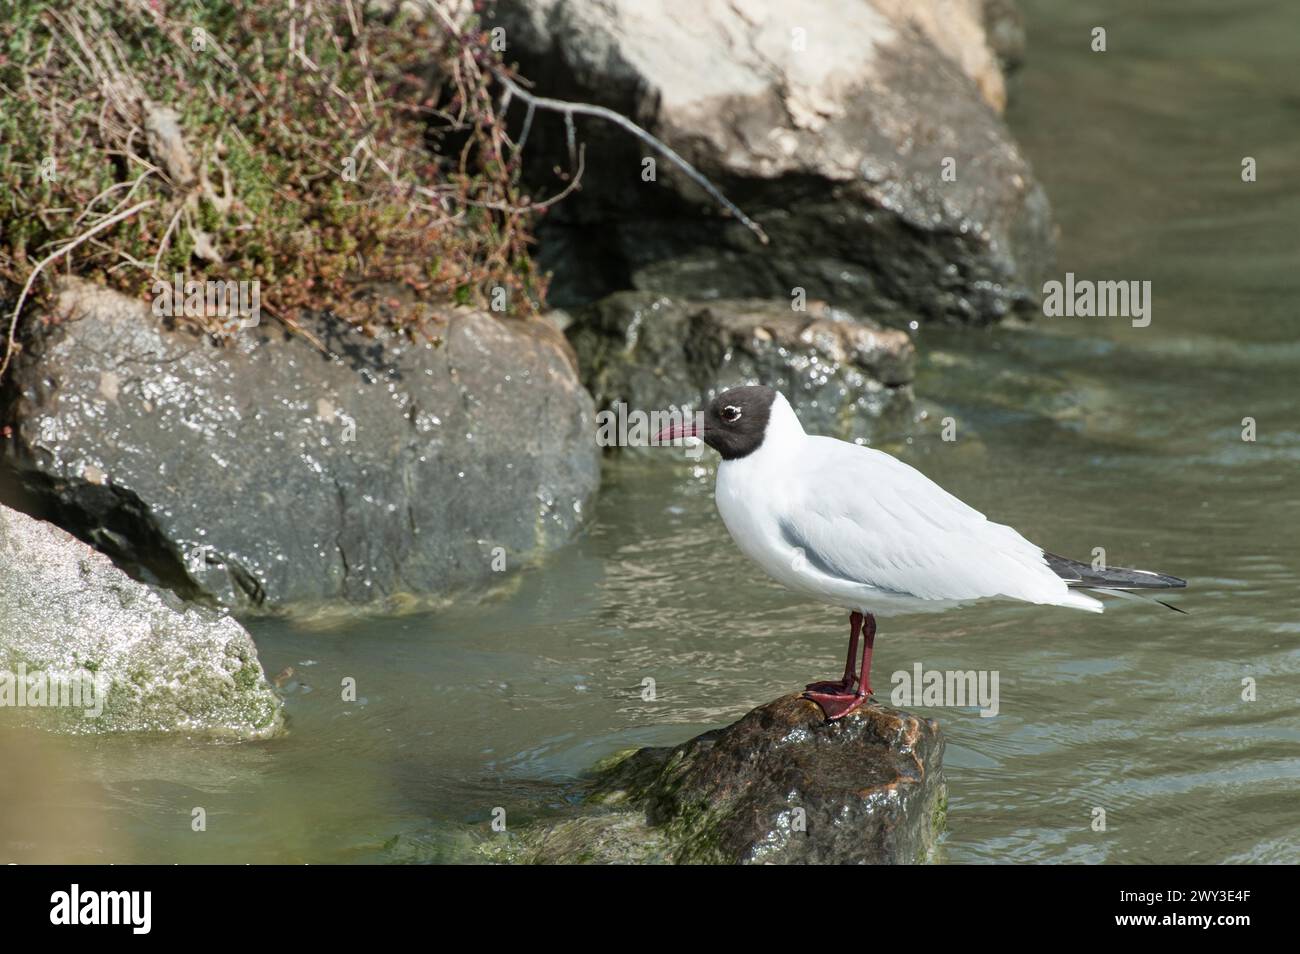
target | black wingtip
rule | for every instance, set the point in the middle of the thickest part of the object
(1086, 576)
(1173, 607)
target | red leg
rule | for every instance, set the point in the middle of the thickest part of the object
(868, 644)
(837, 703)
(845, 684)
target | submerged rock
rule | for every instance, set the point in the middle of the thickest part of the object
(650, 352)
(265, 474)
(780, 786)
(114, 654)
(863, 135)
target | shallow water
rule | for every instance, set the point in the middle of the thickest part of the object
(1080, 432)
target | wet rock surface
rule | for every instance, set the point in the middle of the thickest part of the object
(865, 138)
(780, 786)
(265, 474)
(649, 352)
(67, 613)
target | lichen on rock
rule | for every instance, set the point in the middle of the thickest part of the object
(69, 617)
(265, 475)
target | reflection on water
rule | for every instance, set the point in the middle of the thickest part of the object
(1080, 432)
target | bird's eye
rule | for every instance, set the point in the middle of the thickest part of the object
(731, 414)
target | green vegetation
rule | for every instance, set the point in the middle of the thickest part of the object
(310, 146)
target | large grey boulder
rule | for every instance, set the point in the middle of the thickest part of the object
(829, 121)
(264, 474)
(841, 373)
(118, 655)
(779, 786)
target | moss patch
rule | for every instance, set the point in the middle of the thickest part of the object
(302, 145)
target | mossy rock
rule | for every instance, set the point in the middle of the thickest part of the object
(127, 657)
(779, 786)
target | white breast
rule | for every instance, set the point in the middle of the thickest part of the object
(757, 494)
(752, 502)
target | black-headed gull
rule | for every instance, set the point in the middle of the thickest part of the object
(859, 529)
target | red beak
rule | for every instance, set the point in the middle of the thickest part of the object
(674, 431)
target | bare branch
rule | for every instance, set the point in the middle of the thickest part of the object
(570, 137)
(569, 110)
(60, 251)
(528, 125)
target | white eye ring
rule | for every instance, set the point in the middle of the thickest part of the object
(731, 414)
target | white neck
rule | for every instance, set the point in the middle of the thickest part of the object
(783, 433)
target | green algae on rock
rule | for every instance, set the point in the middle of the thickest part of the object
(138, 659)
(779, 786)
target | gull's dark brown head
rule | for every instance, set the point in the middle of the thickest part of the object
(734, 422)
